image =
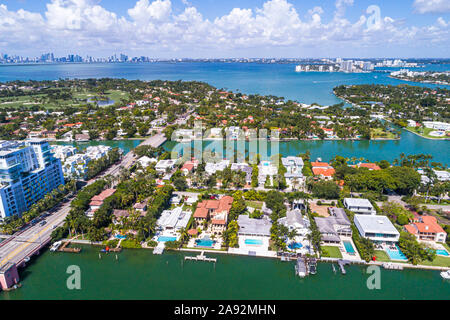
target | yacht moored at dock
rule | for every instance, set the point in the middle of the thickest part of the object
(300, 267)
(55, 246)
(445, 274)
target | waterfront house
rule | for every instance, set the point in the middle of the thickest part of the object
(294, 220)
(81, 137)
(334, 226)
(174, 219)
(370, 166)
(266, 169)
(216, 210)
(245, 167)
(118, 215)
(437, 125)
(254, 227)
(379, 229)
(294, 168)
(212, 167)
(359, 206)
(428, 229)
(322, 170)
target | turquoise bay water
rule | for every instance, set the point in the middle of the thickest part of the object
(275, 79)
(138, 274)
(409, 143)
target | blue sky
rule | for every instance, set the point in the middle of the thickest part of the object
(232, 28)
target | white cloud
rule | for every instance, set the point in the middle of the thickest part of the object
(432, 6)
(153, 25)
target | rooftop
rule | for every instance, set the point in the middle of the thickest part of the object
(358, 202)
(375, 224)
(254, 226)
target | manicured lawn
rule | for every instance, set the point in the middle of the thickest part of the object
(439, 261)
(254, 204)
(331, 252)
(382, 256)
(424, 132)
(380, 133)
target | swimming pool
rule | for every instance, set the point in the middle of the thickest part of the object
(166, 239)
(120, 236)
(253, 242)
(295, 245)
(348, 247)
(396, 254)
(204, 243)
(442, 252)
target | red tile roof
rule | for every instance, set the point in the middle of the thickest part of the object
(319, 164)
(429, 224)
(103, 195)
(188, 166)
(201, 213)
(323, 171)
(219, 221)
(192, 232)
(371, 166)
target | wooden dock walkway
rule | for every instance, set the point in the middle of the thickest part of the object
(64, 248)
(200, 257)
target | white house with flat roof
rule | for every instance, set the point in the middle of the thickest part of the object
(212, 167)
(437, 125)
(359, 206)
(379, 229)
(173, 219)
(266, 169)
(146, 161)
(163, 165)
(253, 227)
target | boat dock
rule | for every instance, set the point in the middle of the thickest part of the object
(64, 248)
(300, 267)
(200, 257)
(159, 249)
(391, 266)
(343, 263)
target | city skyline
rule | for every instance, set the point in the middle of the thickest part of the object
(168, 29)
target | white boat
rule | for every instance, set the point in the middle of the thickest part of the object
(55, 246)
(445, 274)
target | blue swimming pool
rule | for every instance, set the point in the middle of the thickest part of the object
(442, 252)
(348, 247)
(253, 242)
(295, 245)
(119, 236)
(166, 239)
(396, 254)
(204, 243)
